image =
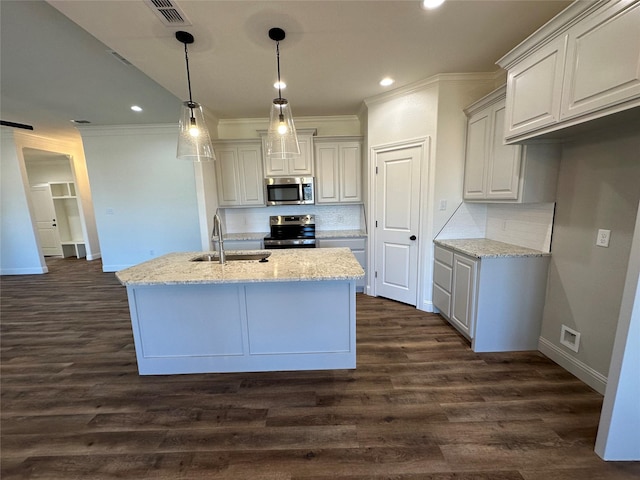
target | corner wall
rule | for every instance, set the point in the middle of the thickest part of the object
(144, 198)
(598, 188)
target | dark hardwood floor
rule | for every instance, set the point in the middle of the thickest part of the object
(420, 404)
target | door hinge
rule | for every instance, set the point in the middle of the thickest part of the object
(375, 275)
(376, 223)
(376, 170)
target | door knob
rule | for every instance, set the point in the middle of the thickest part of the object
(412, 237)
(53, 225)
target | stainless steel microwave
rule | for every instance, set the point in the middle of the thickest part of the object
(289, 190)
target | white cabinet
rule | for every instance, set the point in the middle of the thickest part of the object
(296, 166)
(603, 61)
(582, 65)
(338, 169)
(496, 302)
(239, 174)
(495, 172)
(68, 220)
(358, 248)
(254, 244)
(463, 294)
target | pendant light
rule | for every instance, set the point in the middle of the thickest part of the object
(282, 139)
(194, 141)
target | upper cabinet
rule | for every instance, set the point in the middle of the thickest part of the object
(297, 166)
(495, 172)
(582, 65)
(338, 169)
(239, 176)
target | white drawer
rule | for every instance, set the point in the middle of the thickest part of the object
(442, 275)
(442, 300)
(352, 243)
(443, 255)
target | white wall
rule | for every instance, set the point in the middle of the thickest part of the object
(598, 187)
(434, 110)
(15, 144)
(145, 199)
(19, 249)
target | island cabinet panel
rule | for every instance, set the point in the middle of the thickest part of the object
(306, 322)
(263, 326)
(172, 319)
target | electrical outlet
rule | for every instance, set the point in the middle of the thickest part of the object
(443, 204)
(603, 238)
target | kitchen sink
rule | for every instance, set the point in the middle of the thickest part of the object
(233, 257)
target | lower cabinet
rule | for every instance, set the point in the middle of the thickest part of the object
(358, 248)
(243, 244)
(497, 303)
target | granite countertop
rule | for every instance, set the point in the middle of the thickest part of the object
(285, 265)
(485, 248)
(340, 234)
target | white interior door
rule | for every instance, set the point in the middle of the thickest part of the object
(46, 223)
(397, 222)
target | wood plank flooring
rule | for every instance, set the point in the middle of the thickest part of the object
(420, 405)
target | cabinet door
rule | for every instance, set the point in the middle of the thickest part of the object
(327, 180)
(477, 154)
(503, 170)
(299, 165)
(350, 173)
(302, 165)
(603, 61)
(250, 175)
(463, 301)
(534, 89)
(227, 177)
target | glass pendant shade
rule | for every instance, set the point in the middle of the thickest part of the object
(194, 142)
(282, 139)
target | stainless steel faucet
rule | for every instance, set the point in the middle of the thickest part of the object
(217, 232)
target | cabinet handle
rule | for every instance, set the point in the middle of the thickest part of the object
(412, 237)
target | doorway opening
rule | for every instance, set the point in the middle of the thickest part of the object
(56, 204)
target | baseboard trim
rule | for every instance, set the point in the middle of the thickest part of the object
(114, 268)
(427, 306)
(95, 256)
(584, 372)
(24, 271)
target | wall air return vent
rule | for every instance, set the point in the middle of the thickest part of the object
(168, 12)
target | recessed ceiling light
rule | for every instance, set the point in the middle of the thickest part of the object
(136, 108)
(281, 85)
(385, 82)
(431, 4)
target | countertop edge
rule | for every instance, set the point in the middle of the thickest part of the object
(486, 248)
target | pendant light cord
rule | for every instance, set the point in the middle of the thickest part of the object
(278, 60)
(186, 59)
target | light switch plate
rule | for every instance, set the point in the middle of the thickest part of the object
(603, 238)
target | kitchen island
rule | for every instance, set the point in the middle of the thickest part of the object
(295, 311)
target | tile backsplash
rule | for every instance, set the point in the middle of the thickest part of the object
(526, 225)
(328, 217)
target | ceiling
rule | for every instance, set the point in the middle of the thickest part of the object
(57, 66)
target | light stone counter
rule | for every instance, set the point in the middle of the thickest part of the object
(341, 234)
(485, 248)
(285, 265)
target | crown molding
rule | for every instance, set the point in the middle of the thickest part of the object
(433, 81)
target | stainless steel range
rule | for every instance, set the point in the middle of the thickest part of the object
(291, 231)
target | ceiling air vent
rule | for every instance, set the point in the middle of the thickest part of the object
(168, 12)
